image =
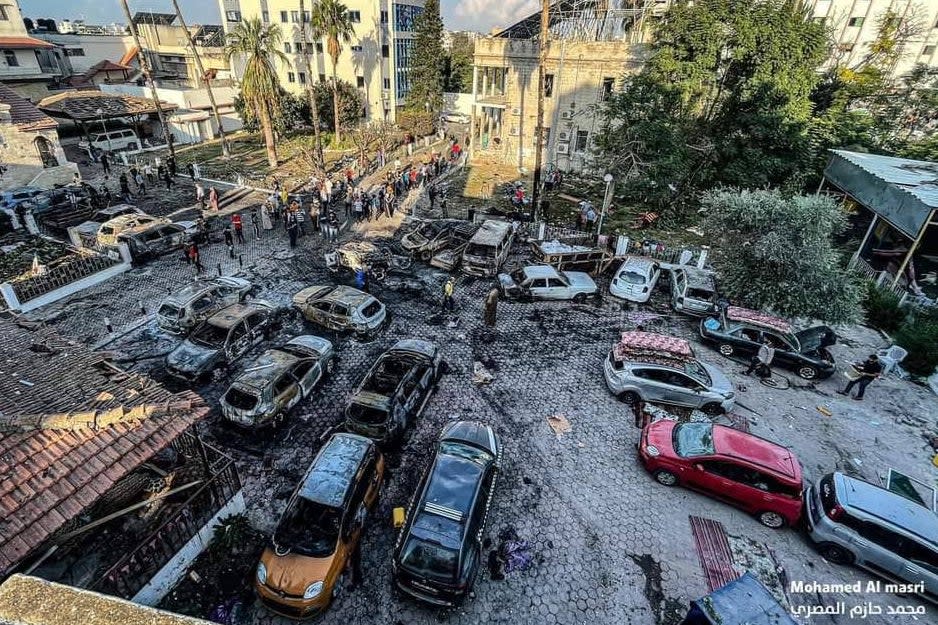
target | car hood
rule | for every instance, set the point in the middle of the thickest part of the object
(579, 279)
(413, 240)
(810, 339)
(718, 380)
(659, 434)
(191, 358)
(294, 572)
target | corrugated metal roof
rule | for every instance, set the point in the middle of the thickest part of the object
(920, 178)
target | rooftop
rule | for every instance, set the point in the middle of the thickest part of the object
(23, 43)
(71, 426)
(23, 113)
(84, 105)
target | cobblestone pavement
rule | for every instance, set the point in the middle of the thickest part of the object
(611, 545)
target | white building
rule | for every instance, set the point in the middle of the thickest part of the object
(27, 65)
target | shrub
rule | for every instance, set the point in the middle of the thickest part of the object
(882, 309)
(919, 336)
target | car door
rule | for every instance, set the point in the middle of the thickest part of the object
(721, 479)
(557, 289)
(648, 379)
(227, 294)
(341, 315)
(203, 308)
(536, 288)
(785, 352)
(286, 391)
(874, 544)
(239, 341)
(744, 339)
(321, 313)
(257, 323)
(921, 563)
(307, 373)
(680, 389)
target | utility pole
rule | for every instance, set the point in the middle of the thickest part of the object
(313, 110)
(145, 68)
(539, 129)
(205, 80)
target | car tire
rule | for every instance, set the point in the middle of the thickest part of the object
(712, 409)
(330, 366)
(665, 477)
(726, 349)
(579, 298)
(772, 519)
(835, 553)
(629, 397)
(426, 255)
(807, 372)
(338, 586)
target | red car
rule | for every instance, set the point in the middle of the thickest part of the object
(752, 473)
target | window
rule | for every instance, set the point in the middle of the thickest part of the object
(845, 47)
(404, 16)
(302, 77)
(301, 368)
(855, 22)
(355, 17)
(322, 78)
(295, 17)
(233, 16)
(3, 14)
(385, 51)
(319, 47)
(606, 90)
(384, 18)
(11, 59)
(298, 46)
(287, 47)
(291, 77)
(928, 50)
(265, 17)
(306, 17)
(548, 85)
(283, 385)
(582, 141)
(283, 17)
(356, 48)
(74, 52)
(360, 82)
(387, 83)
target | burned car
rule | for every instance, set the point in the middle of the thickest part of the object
(439, 549)
(488, 248)
(742, 331)
(222, 339)
(157, 239)
(341, 308)
(449, 257)
(198, 301)
(128, 222)
(277, 381)
(545, 282)
(693, 290)
(394, 391)
(429, 237)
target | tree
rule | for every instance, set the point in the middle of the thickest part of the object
(260, 87)
(419, 123)
(351, 105)
(457, 64)
(331, 21)
(778, 253)
(426, 68)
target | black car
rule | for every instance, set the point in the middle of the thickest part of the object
(394, 391)
(742, 332)
(439, 550)
(155, 240)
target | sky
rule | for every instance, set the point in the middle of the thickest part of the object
(480, 15)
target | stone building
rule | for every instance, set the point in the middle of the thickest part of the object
(30, 148)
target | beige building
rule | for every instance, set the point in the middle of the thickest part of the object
(28, 65)
(168, 50)
(377, 61)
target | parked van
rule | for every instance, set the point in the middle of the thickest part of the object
(488, 248)
(112, 141)
(855, 522)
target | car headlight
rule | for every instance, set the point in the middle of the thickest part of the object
(261, 573)
(313, 590)
(651, 450)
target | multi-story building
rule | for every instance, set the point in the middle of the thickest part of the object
(170, 55)
(29, 65)
(84, 51)
(377, 61)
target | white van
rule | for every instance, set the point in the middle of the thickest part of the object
(112, 141)
(488, 248)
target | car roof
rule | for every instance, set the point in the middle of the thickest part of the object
(268, 366)
(888, 506)
(189, 292)
(449, 496)
(329, 479)
(758, 318)
(471, 433)
(418, 346)
(231, 315)
(540, 271)
(755, 450)
(651, 347)
(346, 295)
(637, 262)
(491, 232)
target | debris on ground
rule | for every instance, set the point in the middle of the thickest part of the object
(559, 424)
(825, 411)
(480, 375)
(512, 554)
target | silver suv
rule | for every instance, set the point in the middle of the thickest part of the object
(662, 369)
(855, 522)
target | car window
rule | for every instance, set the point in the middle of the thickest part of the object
(747, 334)
(655, 375)
(555, 282)
(727, 470)
(875, 533)
(539, 283)
(777, 341)
(153, 235)
(693, 439)
(203, 303)
(238, 332)
(919, 554)
(256, 319)
(679, 379)
(323, 307)
(371, 309)
(282, 385)
(340, 310)
(301, 368)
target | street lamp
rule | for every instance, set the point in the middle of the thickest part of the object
(101, 115)
(607, 200)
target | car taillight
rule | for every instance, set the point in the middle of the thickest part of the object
(835, 512)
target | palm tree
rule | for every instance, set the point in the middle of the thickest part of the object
(331, 21)
(260, 87)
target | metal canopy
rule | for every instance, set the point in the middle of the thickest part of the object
(587, 20)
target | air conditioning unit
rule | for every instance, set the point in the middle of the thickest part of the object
(567, 115)
(563, 136)
(513, 132)
(516, 110)
(563, 148)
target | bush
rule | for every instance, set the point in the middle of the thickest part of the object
(919, 336)
(882, 309)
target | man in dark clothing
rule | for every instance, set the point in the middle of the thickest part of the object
(229, 241)
(292, 229)
(171, 162)
(869, 370)
(125, 187)
(105, 164)
(491, 307)
(190, 170)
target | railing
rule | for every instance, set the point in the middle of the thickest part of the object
(65, 271)
(135, 569)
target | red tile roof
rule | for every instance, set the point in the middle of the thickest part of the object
(71, 426)
(24, 113)
(23, 43)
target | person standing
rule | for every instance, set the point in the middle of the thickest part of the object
(869, 370)
(361, 279)
(448, 289)
(359, 207)
(491, 307)
(200, 195)
(125, 187)
(141, 183)
(105, 164)
(196, 171)
(266, 211)
(333, 225)
(284, 198)
(190, 170)
(292, 229)
(229, 241)
(255, 225)
(196, 258)
(300, 220)
(761, 362)
(171, 166)
(148, 172)
(213, 198)
(238, 227)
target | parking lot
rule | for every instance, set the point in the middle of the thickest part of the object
(608, 543)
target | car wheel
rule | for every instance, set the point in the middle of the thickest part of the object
(835, 553)
(330, 366)
(713, 409)
(339, 584)
(579, 298)
(629, 397)
(726, 349)
(772, 519)
(807, 372)
(665, 478)
(426, 255)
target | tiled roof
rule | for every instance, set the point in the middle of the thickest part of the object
(24, 113)
(23, 43)
(71, 426)
(84, 105)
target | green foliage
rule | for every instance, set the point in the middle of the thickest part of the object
(330, 21)
(351, 104)
(231, 533)
(292, 113)
(418, 123)
(919, 336)
(882, 309)
(779, 254)
(426, 70)
(457, 65)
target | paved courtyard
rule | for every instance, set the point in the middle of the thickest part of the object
(610, 544)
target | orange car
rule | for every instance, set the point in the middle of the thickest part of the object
(303, 569)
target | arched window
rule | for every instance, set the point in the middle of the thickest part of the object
(46, 152)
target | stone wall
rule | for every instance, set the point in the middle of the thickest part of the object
(21, 157)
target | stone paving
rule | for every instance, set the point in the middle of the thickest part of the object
(611, 545)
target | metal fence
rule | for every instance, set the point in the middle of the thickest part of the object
(62, 272)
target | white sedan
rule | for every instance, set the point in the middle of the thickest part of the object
(545, 282)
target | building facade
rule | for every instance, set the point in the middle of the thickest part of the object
(377, 61)
(28, 65)
(84, 51)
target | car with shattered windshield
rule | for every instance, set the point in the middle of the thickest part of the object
(304, 567)
(429, 237)
(394, 391)
(645, 366)
(198, 301)
(543, 282)
(742, 469)
(693, 291)
(277, 381)
(222, 339)
(439, 550)
(741, 332)
(341, 308)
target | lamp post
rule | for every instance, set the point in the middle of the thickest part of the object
(607, 200)
(104, 127)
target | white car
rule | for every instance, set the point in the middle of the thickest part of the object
(635, 279)
(545, 282)
(455, 118)
(108, 231)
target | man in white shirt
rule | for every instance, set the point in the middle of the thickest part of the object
(762, 360)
